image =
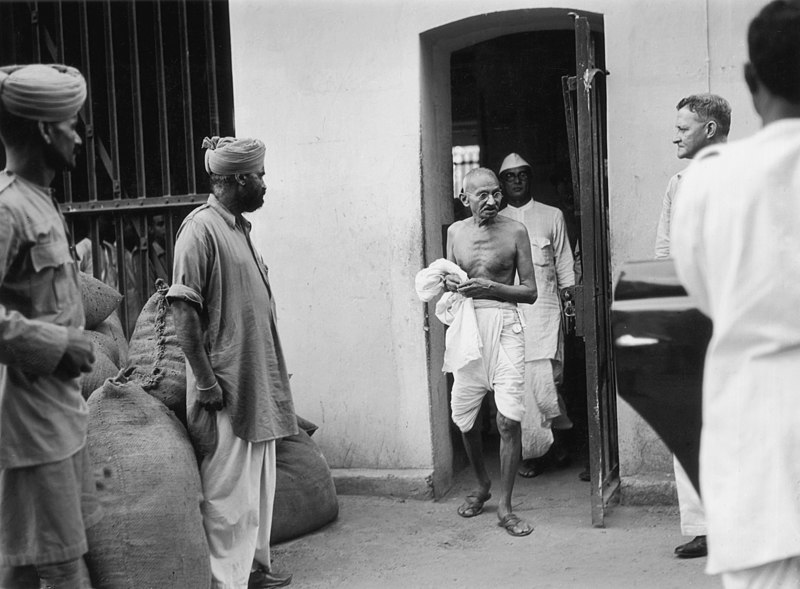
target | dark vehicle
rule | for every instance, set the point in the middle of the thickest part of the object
(660, 340)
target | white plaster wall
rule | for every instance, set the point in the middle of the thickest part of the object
(333, 88)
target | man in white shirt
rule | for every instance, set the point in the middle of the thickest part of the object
(702, 120)
(735, 244)
(544, 340)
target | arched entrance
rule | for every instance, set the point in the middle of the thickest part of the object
(507, 82)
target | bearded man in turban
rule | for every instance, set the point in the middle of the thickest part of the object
(46, 484)
(238, 397)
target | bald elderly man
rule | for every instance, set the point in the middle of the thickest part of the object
(491, 251)
(46, 484)
(238, 397)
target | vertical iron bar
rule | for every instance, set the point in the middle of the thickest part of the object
(113, 140)
(170, 241)
(211, 62)
(60, 58)
(88, 111)
(191, 184)
(145, 251)
(161, 84)
(112, 99)
(35, 32)
(11, 10)
(122, 274)
(89, 139)
(136, 95)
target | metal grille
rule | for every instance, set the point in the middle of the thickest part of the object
(159, 80)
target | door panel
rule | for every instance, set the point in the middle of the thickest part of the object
(584, 100)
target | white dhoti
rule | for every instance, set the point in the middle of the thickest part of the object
(541, 407)
(500, 367)
(238, 497)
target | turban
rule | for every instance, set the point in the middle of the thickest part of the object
(513, 160)
(227, 155)
(49, 93)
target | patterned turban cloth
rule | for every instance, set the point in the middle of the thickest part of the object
(39, 92)
(227, 155)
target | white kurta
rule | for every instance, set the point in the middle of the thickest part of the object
(736, 245)
(552, 265)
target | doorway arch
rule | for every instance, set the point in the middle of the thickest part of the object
(439, 135)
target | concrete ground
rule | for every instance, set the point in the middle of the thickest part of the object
(385, 543)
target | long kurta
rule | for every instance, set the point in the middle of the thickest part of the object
(217, 269)
(553, 267)
(735, 241)
(43, 418)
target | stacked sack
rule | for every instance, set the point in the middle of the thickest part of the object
(155, 355)
(151, 534)
(103, 327)
(148, 478)
(305, 497)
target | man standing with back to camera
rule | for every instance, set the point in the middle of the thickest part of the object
(46, 481)
(735, 244)
(238, 397)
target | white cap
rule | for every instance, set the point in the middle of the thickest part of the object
(513, 160)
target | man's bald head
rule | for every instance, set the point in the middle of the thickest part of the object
(477, 176)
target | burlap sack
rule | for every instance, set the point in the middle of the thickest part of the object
(99, 299)
(102, 369)
(105, 344)
(305, 497)
(156, 356)
(112, 327)
(306, 425)
(151, 535)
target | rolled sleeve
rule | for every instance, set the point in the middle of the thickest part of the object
(184, 293)
(192, 255)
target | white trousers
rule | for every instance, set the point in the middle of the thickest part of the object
(781, 574)
(693, 516)
(238, 496)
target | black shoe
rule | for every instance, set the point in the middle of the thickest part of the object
(693, 549)
(262, 578)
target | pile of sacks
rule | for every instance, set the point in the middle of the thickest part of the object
(147, 475)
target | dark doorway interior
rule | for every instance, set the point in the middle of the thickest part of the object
(507, 97)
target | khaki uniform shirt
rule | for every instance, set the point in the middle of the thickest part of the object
(42, 418)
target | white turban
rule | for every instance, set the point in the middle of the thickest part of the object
(227, 155)
(48, 93)
(513, 160)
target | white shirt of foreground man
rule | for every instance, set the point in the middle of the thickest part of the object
(735, 244)
(737, 249)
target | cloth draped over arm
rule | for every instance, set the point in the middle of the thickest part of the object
(462, 339)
